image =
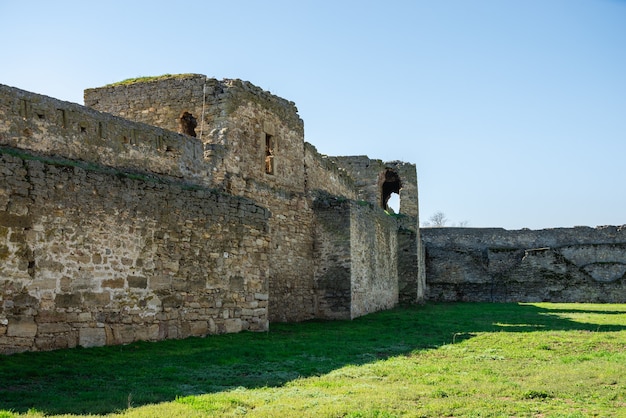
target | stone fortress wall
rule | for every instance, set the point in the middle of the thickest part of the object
(114, 228)
(578, 264)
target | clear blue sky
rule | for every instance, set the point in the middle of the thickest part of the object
(513, 111)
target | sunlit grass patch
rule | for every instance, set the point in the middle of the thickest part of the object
(586, 313)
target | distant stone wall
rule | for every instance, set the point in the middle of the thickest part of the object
(559, 265)
(92, 256)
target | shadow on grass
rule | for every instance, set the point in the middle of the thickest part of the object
(108, 379)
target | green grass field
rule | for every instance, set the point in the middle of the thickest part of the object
(439, 360)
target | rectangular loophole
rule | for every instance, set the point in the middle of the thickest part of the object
(62, 118)
(269, 154)
(24, 108)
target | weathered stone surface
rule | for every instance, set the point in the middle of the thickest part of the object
(138, 282)
(199, 328)
(232, 325)
(64, 300)
(237, 152)
(22, 328)
(91, 337)
(373, 254)
(53, 328)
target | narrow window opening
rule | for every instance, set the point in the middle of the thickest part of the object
(269, 154)
(62, 118)
(24, 108)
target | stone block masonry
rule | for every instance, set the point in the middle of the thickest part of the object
(91, 256)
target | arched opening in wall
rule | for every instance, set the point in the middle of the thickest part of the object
(394, 202)
(389, 185)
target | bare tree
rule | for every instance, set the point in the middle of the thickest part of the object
(440, 220)
(437, 220)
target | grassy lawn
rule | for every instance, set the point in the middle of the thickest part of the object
(461, 360)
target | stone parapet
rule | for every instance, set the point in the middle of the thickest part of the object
(53, 127)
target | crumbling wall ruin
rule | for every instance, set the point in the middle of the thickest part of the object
(579, 264)
(254, 142)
